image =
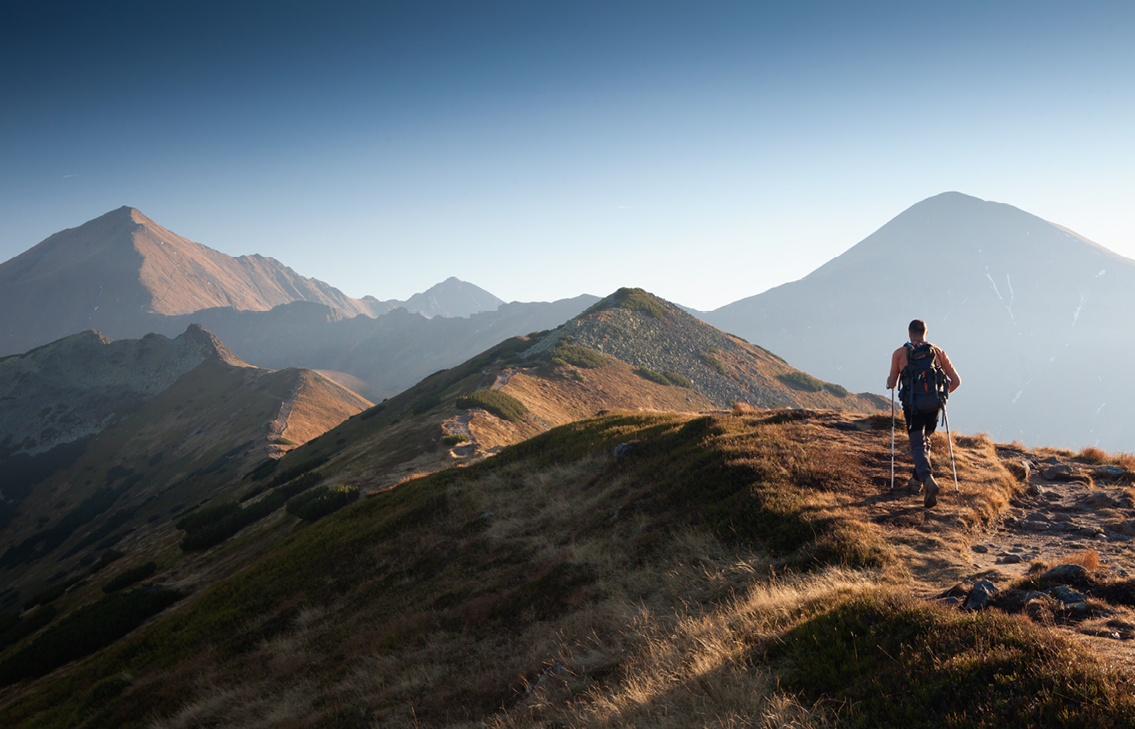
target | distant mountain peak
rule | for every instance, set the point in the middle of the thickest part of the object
(453, 297)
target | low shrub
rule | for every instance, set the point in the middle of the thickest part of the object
(891, 660)
(130, 577)
(214, 532)
(837, 390)
(578, 356)
(676, 379)
(713, 362)
(801, 381)
(21, 627)
(498, 403)
(453, 439)
(84, 631)
(652, 376)
(319, 502)
(107, 557)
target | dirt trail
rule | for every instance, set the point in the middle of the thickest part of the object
(975, 535)
(967, 535)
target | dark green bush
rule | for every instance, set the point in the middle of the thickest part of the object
(130, 577)
(496, 402)
(837, 390)
(201, 518)
(84, 631)
(214, 532)
(801, 381)
(652, 376)
(286, 475)
(453, 439)
(18, 628)
(320, 502)
(107, 557)
(579, 356)
(676, 379)
(713, 362)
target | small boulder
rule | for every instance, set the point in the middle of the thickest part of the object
(1065, 573)
(979, 596)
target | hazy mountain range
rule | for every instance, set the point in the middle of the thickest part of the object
(1036, 318)
(545, 504)
(1028, 310)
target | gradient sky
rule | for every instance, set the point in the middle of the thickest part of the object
(704, 151)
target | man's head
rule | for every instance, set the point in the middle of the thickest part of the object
(917, 328)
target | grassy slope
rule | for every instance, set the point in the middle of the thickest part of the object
(187, 444)
(636, 569)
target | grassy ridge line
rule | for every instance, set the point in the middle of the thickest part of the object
(669, 457)
(477, 576)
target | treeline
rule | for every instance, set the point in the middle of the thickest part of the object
(320, 502)
(84, 631)
(208, 527)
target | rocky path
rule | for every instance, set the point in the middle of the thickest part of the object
(1067, 508)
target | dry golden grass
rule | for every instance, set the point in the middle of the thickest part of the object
(399, 622)
(744, 408)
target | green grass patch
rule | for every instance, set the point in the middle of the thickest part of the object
(838, 390)
(209, 527)
(801, 381)
(84, 631)
(130, 577)
(578, 356)
(319, 502)
(890, 660)
(453, 439)
(498, 403)
(652, 376)
(677, 380)
(712, 362)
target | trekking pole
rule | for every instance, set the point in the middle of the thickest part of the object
(892, 439)
(953, 464)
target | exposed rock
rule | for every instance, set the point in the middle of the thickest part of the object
(1065, 573)
(980, 594)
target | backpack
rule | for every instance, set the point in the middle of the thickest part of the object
(923, 385)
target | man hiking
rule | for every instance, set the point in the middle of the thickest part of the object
(927, 377)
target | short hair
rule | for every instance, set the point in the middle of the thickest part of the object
(917, 327)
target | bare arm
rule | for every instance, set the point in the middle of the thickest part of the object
(955, 379)
(898, 361)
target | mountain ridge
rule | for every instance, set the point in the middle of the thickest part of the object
(1025, 309)
(122, 272)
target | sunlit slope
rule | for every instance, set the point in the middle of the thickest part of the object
(698, 568)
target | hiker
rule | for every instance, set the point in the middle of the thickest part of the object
(927, 377)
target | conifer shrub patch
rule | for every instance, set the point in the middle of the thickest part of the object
(107, 557)
(224, 522)
(498, 403)
(84, 631)
(711, 361)
(578, 356)
(677, 380)
(837, 390)
(652, 376)
(52, 593)
(452, 439)
(801, 381)
(16, 628)
(287, 475)
(130, 577)
(321, 501)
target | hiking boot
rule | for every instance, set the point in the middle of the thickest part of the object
(914, 485)
(931, 497)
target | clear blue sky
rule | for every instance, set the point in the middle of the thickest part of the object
(704, 151)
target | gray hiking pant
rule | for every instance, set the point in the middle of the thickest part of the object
(919, 429)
